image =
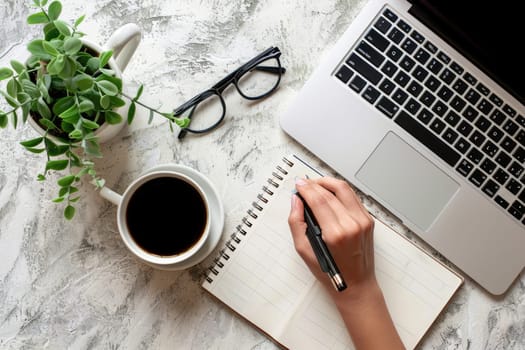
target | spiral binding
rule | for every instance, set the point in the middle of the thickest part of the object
(278, 176)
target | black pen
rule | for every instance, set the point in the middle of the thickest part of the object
(324, 257)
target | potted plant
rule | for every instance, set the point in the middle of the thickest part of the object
(70, 90)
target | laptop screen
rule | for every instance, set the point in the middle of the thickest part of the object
(486, 32)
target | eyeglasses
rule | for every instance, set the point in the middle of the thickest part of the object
(256, 79)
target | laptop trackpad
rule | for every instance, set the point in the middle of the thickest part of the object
(407, 181)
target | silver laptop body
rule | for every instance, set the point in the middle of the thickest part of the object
(442, 195)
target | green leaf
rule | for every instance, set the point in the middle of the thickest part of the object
(83, 82)
(17, 66)
(63, 104)
(75, 134)
(48, 124)
(104, 58)
(112, 117)
(66, 181)
(15, 118)
(72, 45)
(69, 68)
(43, 3)
(37, 49)
(40, 177)
(50, 49)
(53, 149)
(139, 93)
(74, 200)
(105, 101)
(107, 87)
(57, 164)
(12, 88)
(5, 73)
(43, 108)
(54, 10)
(106, 71)
(33, 142)
(30, 88)
(58, 200)
(37, 18)
(92, 64)
(35, 150)
(3, 120)
(69, 212)
(79, 20)
(70, 112)
(92, 148)
(12, 102)
(85, 106)
(89, 124)
(117, 101)
(56, 65)
(131, 112)
(50, 31)
(62, 27)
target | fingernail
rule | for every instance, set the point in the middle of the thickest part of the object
(299, 181)
(294, 200)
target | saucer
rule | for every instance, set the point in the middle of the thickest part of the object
(216, 220)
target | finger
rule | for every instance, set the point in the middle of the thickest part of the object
(343, 192)
(298, 229)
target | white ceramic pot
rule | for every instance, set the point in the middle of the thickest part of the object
(124, 41)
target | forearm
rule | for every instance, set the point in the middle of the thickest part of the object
(368, 321)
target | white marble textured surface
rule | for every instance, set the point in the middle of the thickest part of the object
(73, 285)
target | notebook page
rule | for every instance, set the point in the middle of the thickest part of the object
(264, 279)
(416, 288)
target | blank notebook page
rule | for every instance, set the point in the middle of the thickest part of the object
(262, 278)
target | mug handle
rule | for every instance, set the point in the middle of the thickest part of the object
(124, 41)
(111, 195)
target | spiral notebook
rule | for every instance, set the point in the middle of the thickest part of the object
(260, 276)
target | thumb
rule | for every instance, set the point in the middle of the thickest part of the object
(296, 219)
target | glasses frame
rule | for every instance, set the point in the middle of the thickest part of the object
(232, 78)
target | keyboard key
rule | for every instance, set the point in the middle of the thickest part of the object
(447, 76)
(414, 88)
(452, 118)
(420, 73)
(483, 89)
(404, 26)
(389, 68)
(460, 86)
(390, 15)
(440, 108)
(432, 83)
(472, 96)
(470, 113)
(407, 63)
(387, 86)
(520, 137)
(501, 176)
(372, 55)
(450, 135)
(483, 123)
(515, 169)
(458, 103)
(475, 156)
(477, 138)
(519, 206)
(363, 68)
(443, 57)
(357, 84)
(383, 25)
(437, 126)
(388, 107)
(490, 188)
(509, 110)
(456, 68)
(377, 40)
(402, 78)
(488, 166)
(485, 106)
(344, 74)
(519, 154)
(430, 47)
(497, 116)
(409, 46)
(413, 106)
(464, 167)
(522, 196)
(496, 100)
(513, 186)
(464, 128)
(516, 213)
(445, 93)
(370, 94)
(417, 37)
(396, 35)
(427, 98)
(400, 96)
(510, 127)
(470, 78)
(495, 134)
(425, 116)
(423, 135)
(394, 53)
(422, 56)
(434, 66)
(462, 145)
(521, 120)
(477, 177)
(508, 144)
(502, 202)
(503, 159)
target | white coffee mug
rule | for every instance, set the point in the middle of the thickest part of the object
(183, 259)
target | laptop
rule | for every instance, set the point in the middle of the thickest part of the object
(420, 105)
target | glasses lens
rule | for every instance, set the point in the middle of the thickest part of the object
(261, 79)
(206, 114)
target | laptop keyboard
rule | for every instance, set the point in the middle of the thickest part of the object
(417, 85)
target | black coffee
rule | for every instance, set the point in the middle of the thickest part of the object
(166, 216)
